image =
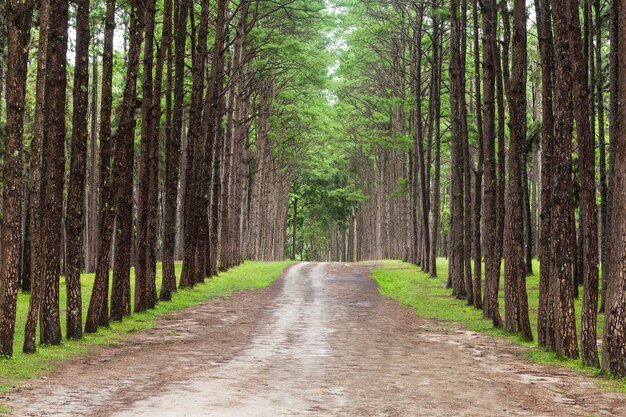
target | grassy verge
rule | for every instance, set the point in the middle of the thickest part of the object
(246, 276)
(430, 299)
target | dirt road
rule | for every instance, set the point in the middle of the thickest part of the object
(321, 341)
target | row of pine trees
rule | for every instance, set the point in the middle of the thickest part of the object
(492, 136)
(155, 135)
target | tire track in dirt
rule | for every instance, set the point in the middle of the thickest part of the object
(321, 341)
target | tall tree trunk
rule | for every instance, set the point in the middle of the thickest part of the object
(467, 179)
(216, 192)
(92, 231)
(502, 85)
(436, 113)
(478, 186)
(35, 182)
(98, 306)
(172, 153)
(76, 196)
(225, 248)
(99, 293)
(589, 210)
(545, 315)
(240, 93)
(566, 341)
(602, 147)
(456, 267)
(492, 274)
(515, 297)
(242, 154)
(614, 338)
(614, 121)
(153, 166)
(143, 187)
(17, 14)
(123, 169)
(419, 139)
(214, 139)
(193, 214)
(56, 81)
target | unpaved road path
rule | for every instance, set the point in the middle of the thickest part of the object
(321, 341)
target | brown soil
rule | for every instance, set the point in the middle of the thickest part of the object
(321, 341)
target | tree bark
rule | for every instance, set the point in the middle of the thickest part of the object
(193, 214)
(172, 154)
(123, 170)
(467, 179)
(436, 115)
(566, 341)
(225, 248)
(418, 145)
(545, 316)
(143, 187)
(502, 85)
(492, 274)
(56, 81)
(478, 179)
(589, 210)
(99, 293)
(91, 231)
(98, 306)
(35, 184)
(214, 109)
(153, 166)
(16, 14)
(614, 338)
(456, 266)
(92, 216)
(602, 147)
(515, 297)
(614, 121)
(76, 196)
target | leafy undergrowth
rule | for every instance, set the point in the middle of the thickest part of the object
(248, 275)
(430, 299)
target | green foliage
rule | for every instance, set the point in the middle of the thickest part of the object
(328, 192)
(295, 57)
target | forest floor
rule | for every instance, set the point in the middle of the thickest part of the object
(320, 341)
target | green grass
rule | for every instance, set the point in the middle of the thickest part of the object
(430, 299)
(21, 366)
